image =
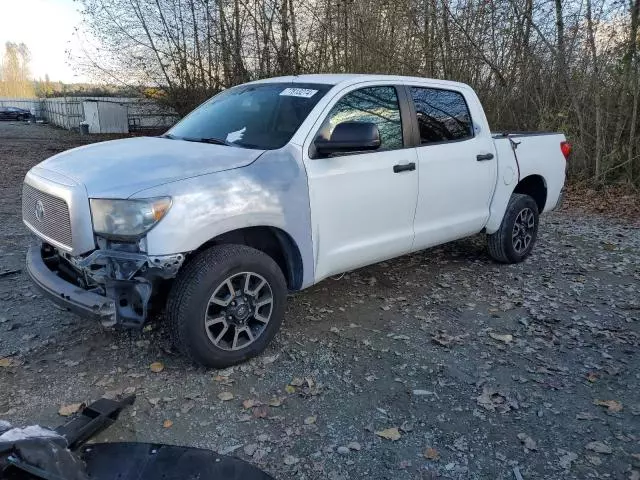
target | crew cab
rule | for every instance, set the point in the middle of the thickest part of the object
(272, 186)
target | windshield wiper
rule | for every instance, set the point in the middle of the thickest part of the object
(214, 141)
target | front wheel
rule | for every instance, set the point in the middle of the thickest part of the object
(226, 305)
(515, 238)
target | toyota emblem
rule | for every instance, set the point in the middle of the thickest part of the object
(39, 210)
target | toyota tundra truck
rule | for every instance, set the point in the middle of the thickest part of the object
(270, 187)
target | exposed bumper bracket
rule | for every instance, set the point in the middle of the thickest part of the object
(67, 295)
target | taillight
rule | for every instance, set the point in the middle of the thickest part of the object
(566, 149)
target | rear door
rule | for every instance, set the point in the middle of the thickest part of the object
(457, 164)
(363, 203)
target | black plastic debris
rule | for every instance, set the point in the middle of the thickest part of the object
(39, 453)
(129, 461)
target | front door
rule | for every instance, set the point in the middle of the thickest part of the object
(457, 167)
(362, 208)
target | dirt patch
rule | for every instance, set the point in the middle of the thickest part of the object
(441, 364)
(615, 201)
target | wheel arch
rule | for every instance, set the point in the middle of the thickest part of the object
(536, 187)
(273, 241)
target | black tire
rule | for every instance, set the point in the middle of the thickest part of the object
(503, 247)
(19, 118)
(193, 288)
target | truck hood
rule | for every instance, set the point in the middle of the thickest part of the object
(120, 168)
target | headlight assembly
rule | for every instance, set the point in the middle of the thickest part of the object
(127, 219)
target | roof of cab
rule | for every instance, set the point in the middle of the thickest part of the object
(353, 78)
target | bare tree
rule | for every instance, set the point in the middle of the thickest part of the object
(15, 77)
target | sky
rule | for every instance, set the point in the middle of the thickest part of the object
(46, 27)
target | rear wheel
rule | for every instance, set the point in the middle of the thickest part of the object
(226, 305)
(515, 238)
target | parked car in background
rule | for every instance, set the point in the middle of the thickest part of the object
(273, 186)
(14, 113)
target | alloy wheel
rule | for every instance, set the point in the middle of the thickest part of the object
(523, 230)
(239, 311)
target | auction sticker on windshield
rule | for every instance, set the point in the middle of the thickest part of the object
(298, 92)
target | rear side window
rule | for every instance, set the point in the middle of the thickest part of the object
(378, 105)
(443, 115)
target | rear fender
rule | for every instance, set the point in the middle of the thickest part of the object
(506, 181)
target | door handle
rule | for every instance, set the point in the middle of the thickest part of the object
(485, 156)
(407, 167)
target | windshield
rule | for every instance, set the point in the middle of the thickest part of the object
(263, 116)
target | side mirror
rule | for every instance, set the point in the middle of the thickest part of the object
(350, 137)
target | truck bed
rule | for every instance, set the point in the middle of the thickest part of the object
(526, 154)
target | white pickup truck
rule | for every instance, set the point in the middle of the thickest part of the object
(273, 186)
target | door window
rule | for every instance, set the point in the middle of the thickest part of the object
(443, 115)
(377, 105)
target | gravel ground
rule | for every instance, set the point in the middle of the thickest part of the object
(441, 364)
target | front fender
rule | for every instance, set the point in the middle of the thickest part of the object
(271, 192)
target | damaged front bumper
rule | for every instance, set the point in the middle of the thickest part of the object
(114, 287)
(66, 294)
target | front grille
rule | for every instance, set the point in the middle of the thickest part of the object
(54, 221)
